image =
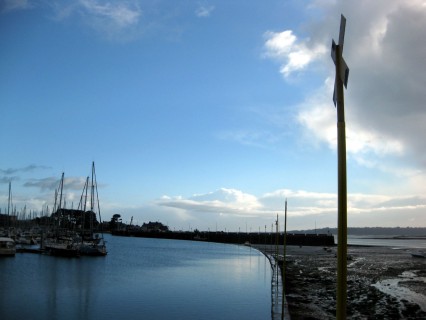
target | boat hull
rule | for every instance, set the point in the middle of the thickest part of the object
(62, 250)
(7, 247)
(93, 250)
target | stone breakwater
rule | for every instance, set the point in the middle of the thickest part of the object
(383, 283)
(234, 237)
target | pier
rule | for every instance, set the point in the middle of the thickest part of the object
(299, 239)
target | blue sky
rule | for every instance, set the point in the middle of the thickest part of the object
(205, 114)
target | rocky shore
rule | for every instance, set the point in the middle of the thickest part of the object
(383, 283)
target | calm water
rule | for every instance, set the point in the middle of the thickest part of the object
(387, 242)
(139, 279)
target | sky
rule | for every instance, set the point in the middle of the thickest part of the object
(210, 114)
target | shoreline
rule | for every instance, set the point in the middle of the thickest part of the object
(393, 237)
(383, 282)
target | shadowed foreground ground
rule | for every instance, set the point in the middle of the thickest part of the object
(383, 283)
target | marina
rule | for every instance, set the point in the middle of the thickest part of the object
(140, 278)
(63, 232)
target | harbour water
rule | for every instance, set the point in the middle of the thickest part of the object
(139, 279)
(387, 241)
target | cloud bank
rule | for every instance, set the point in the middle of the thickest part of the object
(385, 99)
(236, 208)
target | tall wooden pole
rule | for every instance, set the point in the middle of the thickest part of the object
(342, 73)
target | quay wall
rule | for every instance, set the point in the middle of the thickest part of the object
(234, 237)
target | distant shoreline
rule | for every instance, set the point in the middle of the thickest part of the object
(372, 231)
(384, 237)
(397, 238)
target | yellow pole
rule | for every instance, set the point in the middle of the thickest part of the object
(342, 74)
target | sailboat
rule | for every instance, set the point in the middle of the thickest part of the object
(61, 244)
(7, 244)
(92, 244)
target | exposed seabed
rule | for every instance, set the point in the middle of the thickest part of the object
(383, 283)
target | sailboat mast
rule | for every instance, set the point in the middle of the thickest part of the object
(56, 199)
(97, 197)
(80, 204)
(92, 197)
(10, 198)
(97, 194)
(86, 186)
(61, 186)
(9, 202)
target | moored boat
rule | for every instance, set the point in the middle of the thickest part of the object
(76, 231)
(26, 238)
(7, 247)
(62, 249)
(92, 243)
(91, 248)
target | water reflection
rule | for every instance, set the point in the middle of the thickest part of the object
(140, 278)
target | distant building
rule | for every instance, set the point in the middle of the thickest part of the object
(154, 227)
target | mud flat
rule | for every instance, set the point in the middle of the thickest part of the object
(383, 283)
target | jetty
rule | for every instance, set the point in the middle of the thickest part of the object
(264, 238)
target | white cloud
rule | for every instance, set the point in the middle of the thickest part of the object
(29, 168)
(52, 183)
(318, 116)
(14, 5)
(301, 204)
(113, 19)
(225, 201)
(385, 99)
(121, 14)
(204, 10)
(293, 55)
(233, 209)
